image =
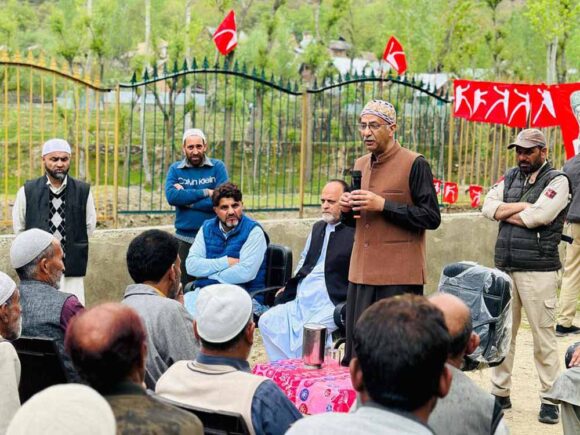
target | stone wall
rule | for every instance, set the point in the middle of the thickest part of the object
(466, 236)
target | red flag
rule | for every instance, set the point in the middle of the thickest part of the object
(450, 192)
(437, 185)
(475, 195)
(225, 36)
(567, 103)
(395, 55)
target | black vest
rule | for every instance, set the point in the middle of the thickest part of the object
(534, 249)
(41, 311)
(38, 211)
(336, 263)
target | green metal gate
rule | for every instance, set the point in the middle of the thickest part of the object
(280, 142)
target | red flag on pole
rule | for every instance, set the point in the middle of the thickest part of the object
(395, 55)
(225, 36)
(450, 192)
(475, 195)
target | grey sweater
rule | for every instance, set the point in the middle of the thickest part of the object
(169, 330)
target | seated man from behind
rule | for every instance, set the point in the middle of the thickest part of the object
(107, 346)
(399, 371)
(319, 284)
(467, 409)
(565, 391)
(38, 259)
(220, 378)
(10, 328)
(229, 249)
(154, 265)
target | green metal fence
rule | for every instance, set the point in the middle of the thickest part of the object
(281, 141)
(260, 127)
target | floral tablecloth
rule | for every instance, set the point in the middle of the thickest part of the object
(313, 391)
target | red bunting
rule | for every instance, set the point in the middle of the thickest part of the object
(523, 106)
(395, 55)
(503, 103)
(475, 195)
(225, 36)
(450, 192)
(437, 185)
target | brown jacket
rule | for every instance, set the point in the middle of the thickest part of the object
(384, 253)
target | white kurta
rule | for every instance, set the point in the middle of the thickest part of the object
(9, 380)
(282, 326)
(74, 285)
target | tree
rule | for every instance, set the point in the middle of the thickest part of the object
(462, 36)
(494, 37)
(554, 20)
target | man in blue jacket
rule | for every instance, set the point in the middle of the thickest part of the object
(189, 186)
(229, 249)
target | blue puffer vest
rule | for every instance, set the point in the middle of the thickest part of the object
(217, 246)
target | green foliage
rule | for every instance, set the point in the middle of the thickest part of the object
(499, 37)
(553, 18)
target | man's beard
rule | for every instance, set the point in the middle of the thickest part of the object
(56, 280)
(198, 163)
(231, 224)
(175, 288)
(530, 169)
(61, 175)
(329, 218)
(15, 332)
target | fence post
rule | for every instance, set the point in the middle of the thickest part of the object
(116, 157)
(304, 137)
(450, 145)
(6, 121)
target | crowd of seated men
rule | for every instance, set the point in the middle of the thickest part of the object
(130, 362)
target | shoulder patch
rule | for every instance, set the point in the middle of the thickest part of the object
(550, 193)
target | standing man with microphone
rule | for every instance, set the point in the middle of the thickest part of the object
(391, 209)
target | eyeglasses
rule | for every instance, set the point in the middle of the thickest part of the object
(373, 126)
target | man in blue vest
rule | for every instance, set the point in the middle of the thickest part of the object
(229, 249)
(189, 185)
(530, 204)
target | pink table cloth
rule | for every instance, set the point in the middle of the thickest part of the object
(313, 391)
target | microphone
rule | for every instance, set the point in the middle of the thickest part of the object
(356, 180)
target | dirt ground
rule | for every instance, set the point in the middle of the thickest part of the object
(522, 419)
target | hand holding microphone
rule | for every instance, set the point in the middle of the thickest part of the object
(363, 199)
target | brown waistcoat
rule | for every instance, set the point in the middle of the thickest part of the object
(384, 253)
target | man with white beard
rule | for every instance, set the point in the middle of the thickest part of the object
(37, 258)
(10, 329)
(319, 283)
